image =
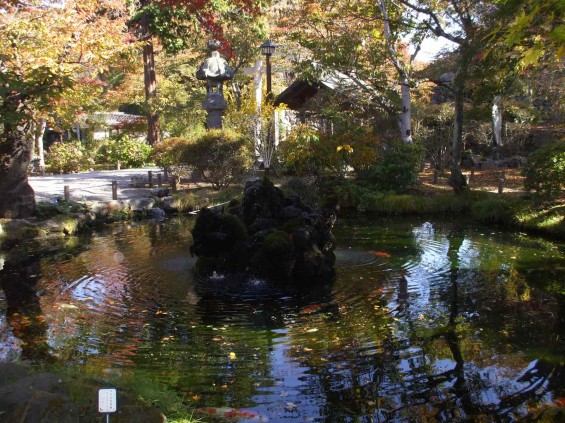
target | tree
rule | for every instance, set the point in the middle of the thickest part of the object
(531, 28)
(367, 42)
(464, 23)
(348, 38)
(177, 24)
(50, 57)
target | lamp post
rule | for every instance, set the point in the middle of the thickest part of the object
(267, 144)
(268, 48)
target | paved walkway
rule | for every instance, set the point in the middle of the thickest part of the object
(93, 186)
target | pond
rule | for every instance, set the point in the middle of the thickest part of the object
(427, 320)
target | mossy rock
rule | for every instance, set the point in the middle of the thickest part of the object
(64, 224)
(279, 244)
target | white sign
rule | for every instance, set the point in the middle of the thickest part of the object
(107, 401)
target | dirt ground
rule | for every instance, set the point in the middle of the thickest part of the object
(484, 180)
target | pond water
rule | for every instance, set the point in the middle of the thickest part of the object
(427, 320)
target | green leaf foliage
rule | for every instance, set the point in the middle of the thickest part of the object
(67, 157)
(545, 169)
(396, 168)
(221, 156)
(130, 152)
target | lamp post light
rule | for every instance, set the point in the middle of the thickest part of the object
(268, 48)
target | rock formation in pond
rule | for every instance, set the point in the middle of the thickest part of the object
(267, 235)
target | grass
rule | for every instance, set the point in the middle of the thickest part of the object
(83, 383)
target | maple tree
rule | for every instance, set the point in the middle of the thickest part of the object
(368, 42)
(531, 28)
(177, 25)
(50, 60)
(464, 23)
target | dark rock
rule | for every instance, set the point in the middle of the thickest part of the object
(291, 212)
(157, 213)
(11, 372)
(43, 407)
(23, 389)
(269, 235)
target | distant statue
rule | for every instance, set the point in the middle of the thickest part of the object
(214, 70)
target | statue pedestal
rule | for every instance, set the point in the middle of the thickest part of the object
(215, 104)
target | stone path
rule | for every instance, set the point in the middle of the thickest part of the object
(93, 186)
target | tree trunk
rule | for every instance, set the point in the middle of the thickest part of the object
(457, 180)
(39, 143)
(18, 198)
(153, 130)
(497, 120)
(405, 117)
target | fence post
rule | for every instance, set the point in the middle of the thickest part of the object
(150, 178)
(67, 192)
(436, 177)
(118, 165)
(501, 183)
(159, 180)
(114, 190)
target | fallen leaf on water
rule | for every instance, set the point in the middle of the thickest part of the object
(290, 406)
(233, 414)
(311, 309)
(68, 306)
(232, 356)
(560, 402)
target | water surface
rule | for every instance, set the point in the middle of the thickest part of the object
(427, 320)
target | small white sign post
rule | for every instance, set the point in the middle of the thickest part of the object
(107, 402)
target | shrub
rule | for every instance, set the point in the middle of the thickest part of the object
(220, 156)
(493, 210)
(131, 152)
(305, 191)
(349, 194)
(545, 169)
(396, 168)
(308, 151)
(67, 157)
(296, 153)
(169, 154)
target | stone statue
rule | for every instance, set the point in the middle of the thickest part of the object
(214, 70)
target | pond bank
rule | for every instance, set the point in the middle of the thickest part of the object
(27, 395)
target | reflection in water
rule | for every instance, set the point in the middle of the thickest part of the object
(18, 279)
(426, 321)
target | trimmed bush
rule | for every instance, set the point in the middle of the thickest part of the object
(221, 156)
(545, 170)
(397, 167)
(169, 153)
(67, 157)
(308, 151)
(131, 152)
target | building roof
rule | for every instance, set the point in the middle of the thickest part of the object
(302, 90)
(112, 119)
